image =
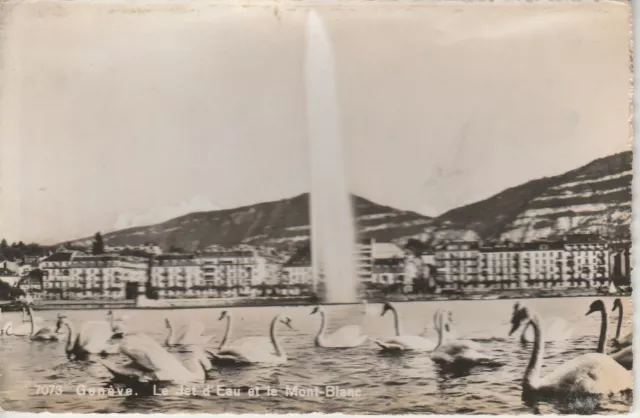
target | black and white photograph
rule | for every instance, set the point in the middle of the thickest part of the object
(356, 207)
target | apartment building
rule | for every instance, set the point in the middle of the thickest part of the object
(177, 276)
(72, 275)
(457, 264)
(235, 268)
(586, 261)
(298, 269)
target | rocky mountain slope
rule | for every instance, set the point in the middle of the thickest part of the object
(278, 223)
(594, 198)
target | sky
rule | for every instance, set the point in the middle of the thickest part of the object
(115, 116)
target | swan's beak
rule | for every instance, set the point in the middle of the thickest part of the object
(590, 312)
(514, 328)
(315, 310)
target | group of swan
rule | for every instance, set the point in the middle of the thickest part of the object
(586, 375)
(589, 374)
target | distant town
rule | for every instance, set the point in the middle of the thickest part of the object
(143, 274)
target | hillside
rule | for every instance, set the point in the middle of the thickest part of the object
(277, 223)
(593, 198)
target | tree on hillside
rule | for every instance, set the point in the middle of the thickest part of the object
(3, 244)
(98, 244)
(176, 249)
(416, 246)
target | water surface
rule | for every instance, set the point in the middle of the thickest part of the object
(410, 383)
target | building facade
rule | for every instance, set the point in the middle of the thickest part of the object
(69, 275)
(177, 276)
(457, 265)
(236, 268)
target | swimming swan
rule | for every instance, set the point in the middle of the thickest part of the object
(627, 340)
(625, 356)
(93, 338)
(265, 341)
(347, 336)
(247, 354)
(40, 334)
(588, 374)
(118, 325)
(150, 362)
(402, 342)
(453, 351)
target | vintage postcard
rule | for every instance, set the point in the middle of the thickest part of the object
(357, 207)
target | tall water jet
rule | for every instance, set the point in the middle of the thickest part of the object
(333, 234)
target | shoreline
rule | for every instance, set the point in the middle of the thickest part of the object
(165, 304)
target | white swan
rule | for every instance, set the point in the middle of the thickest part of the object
(453, 351)
(150, 362)
(627, 340)
(265, 341)
(247, 354)
(42, 333)
(625, 356)
(93, 338)
(585, 375)
(22, 329)
(347, 336)
(118, 325)
(402, 342)
(189, 333)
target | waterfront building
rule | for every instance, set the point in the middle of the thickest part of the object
(236, 268)
(70, 275)
(364, 259)
(298, 269)
(178, 276)
(586, 260)
(457, 265)
(389, 271)
(522, 266)
(368, 250)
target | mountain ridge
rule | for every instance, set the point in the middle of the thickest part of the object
(595, 197)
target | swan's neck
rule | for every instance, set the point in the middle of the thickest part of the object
(33, 322)
(274, 339)
(323, 325)
(619, 327)
(396, 321)
(71, 341)
(523, 336)
(227, 332)
(168, 341)
(603, 331)
(532, 373)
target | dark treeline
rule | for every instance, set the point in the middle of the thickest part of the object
(19, 251)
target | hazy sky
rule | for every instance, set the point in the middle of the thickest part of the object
(114, 117)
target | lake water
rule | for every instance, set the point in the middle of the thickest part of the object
(409, 383)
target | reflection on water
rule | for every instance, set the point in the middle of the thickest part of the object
(408, 383)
